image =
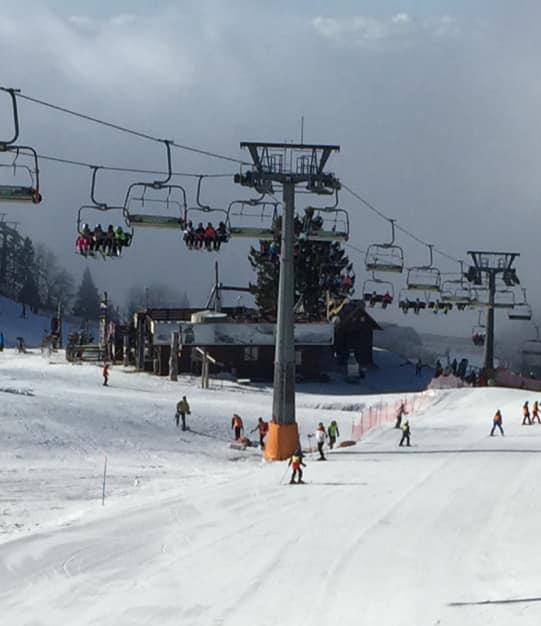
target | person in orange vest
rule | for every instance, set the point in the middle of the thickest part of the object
(263, 428)
(526, 414)
(237, 426)
(535, 412)
(497, 423)
(105, 374)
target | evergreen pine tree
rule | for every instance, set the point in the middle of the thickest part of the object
(321, 268)
(26, 275)
(87, 299)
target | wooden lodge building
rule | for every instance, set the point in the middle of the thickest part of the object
(243, 345)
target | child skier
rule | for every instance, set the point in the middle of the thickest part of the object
(321, 436)
(105, 374)
(405, 434)
(526, 414)
(333, 433)
(237, 426)
(296, 462)
(497, 423)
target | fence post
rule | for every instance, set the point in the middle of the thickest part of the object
(173, 358)
(104, 479)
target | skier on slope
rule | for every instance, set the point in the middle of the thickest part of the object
(237, 426)
(263, 428)
(333, 433)
(321, 436)
(183, 409)
(105, 374)
(497, 423)
(296, 463)
(526, 414)
(535, 412)
(401, 412)
(405, 434)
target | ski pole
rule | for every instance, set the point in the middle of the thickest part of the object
(284, 475)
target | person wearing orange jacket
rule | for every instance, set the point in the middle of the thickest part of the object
(535, 412)
(237, 426)
(526, 414)
(263, 428)
(497, 423)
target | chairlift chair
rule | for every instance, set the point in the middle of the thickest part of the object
(328, 223)
(102, 208)
(376, 291)
(253, 219)
(411, 301)
(532, 347)
(504, 299)
(385, 257)
(18, 192)
(522, 310)
(21, 192)
(425, 278)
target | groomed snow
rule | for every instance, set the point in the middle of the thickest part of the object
(195, 533)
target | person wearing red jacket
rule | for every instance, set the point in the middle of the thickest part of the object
(105, 374)
(210, 236)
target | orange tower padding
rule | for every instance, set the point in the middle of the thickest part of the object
(282, 441)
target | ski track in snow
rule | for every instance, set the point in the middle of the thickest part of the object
(197, 534)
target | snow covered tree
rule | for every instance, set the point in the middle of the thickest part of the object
(87, 299)
(26, 275)
(321, 268)
(55, 284)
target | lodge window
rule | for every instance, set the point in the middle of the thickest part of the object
(251, 353)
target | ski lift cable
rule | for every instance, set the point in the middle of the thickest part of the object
(130, 170)
(127, 130)
(397, 226)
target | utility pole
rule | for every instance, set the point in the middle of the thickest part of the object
(490, 265)
(288, 165)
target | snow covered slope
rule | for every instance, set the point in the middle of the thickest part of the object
(195, 533)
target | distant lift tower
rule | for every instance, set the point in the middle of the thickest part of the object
(491, 264)
(287, 165)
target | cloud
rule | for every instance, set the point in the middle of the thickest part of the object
(371, 32)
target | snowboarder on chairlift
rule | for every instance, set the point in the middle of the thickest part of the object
(183, 409)
(401, 412)
(105, 374)
(296, 463)
(526, 419)
(535, 412)
(321, 436)
(263, 428)
(237, 426)
(497, 423)
(406, 431)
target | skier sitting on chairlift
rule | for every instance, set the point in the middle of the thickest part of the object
(189, 235)
(387, 299)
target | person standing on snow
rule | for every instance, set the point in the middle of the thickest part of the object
(237, 426)
(333, 433)
(401, 412)
(526, 414)
(321, 436)
(105, 374)
(183, 409)
(405, 434)
(535, 412)
(497, 423)
(263, 428)
(296, 463)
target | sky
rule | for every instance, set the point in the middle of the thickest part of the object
(434, 104)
